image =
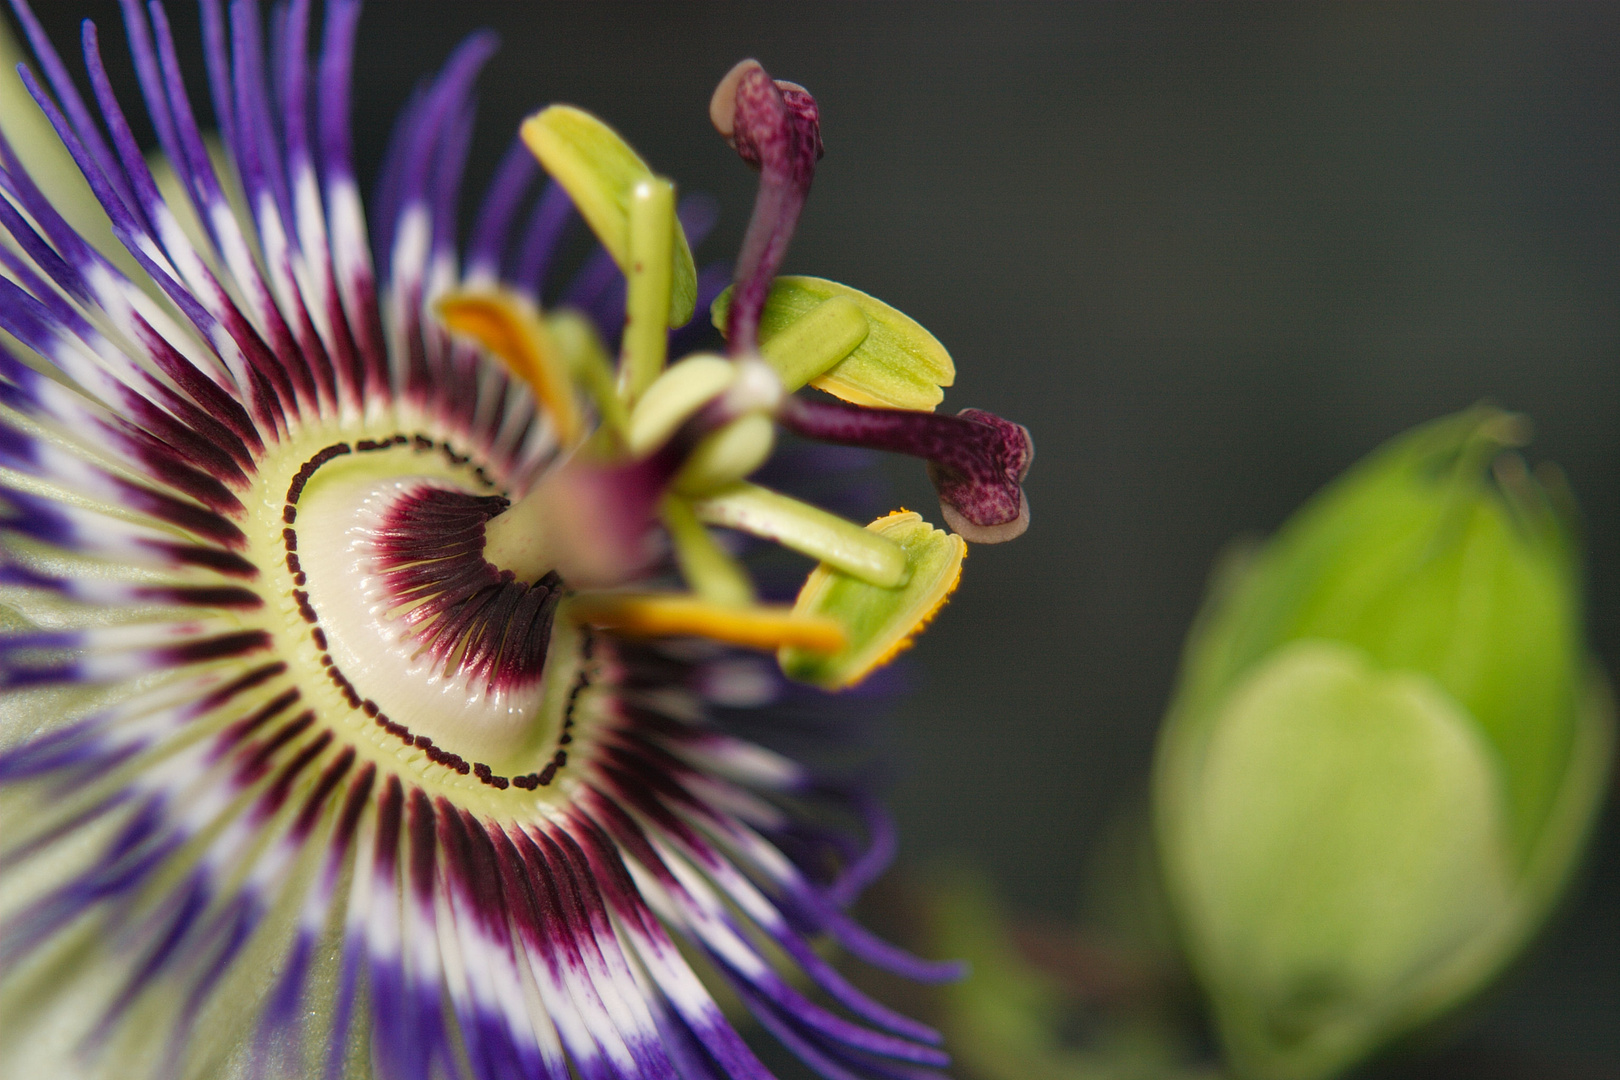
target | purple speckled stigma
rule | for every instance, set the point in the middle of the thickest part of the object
(221, 855)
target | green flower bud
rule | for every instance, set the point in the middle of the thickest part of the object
(1385, 749)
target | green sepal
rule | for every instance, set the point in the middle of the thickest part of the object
(879, 622)
(1432, 590)
(600, 171)
(1423, 558)
(897, 364)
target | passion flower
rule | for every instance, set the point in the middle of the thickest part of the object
(358, 712)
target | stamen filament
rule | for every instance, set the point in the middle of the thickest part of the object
(646, 320)
(713, 574)
(576, 339)
(727, 455)
(808, 530)
(678, 615)
(674, 396)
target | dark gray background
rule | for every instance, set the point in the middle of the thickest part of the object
(1210, 255)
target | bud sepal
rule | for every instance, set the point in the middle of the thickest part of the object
(1386, 747)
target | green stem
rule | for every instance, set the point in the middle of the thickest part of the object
(590, 366)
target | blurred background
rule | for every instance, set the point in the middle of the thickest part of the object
(1210, 255)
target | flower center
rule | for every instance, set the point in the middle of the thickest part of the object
(412, 632)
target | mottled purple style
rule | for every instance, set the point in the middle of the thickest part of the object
(276, 870)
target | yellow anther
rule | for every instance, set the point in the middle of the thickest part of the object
(879, 622)
(509, 326)
(600, 172)
(884, 358)
(807, 349)
(680, 615)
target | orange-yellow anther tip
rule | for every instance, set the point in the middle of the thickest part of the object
(510, 327)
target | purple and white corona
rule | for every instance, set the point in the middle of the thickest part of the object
(377, 696)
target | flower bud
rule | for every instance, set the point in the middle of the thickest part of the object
(1386, 746)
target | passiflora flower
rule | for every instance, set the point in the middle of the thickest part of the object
(374, 688)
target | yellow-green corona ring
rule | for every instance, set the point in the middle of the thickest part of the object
(379, 695)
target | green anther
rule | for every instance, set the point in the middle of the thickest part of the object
(727, 455)
(646, 321)
(809, 348)
(878, 622)
(675, 395)
(575, 337)
(600, 172)
(712, 573)
(808, 530)
(898, 364)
